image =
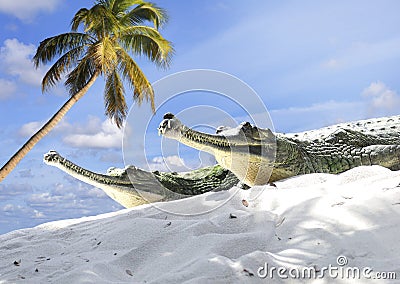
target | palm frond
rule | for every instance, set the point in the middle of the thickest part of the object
(58, 45)
(101, 22)
(121, 7)
(135, 78)
(146, 12)
(80, 75)
(61, 66)
(147, 41)
(114, 99)
(79, 18)
(106, 3)
(103, 54)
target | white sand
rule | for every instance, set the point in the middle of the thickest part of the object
(307, 221)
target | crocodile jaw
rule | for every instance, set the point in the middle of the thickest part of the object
(246, 151)
(121, 190)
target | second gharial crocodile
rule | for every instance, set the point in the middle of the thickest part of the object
(255, 157)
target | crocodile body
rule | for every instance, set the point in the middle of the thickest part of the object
(133, 186)
(262, 157)
(333, 149)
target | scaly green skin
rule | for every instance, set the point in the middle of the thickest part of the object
(332, 149)
(337, 153)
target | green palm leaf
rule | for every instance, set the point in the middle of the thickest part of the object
(104, 55)
(135, 78)
(79, 18)
(61, 66)
(146, 12)
(114, 99)
(143, 40)
(80, 75)
(58, 45)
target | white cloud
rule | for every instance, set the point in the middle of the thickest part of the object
(91, 126)
(11, 210)
(25, 9)
(107, 136)
(375, 88)
(38, 215)
(73, 197)
(381, 99)
(176, 163)
(15, 60)
(7, 88)
(172, 163)
(171, 160)
(8, 191)
(30, 128)
(94, 133)
(376, 100)
(47, 199)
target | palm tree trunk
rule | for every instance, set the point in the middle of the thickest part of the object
(46, 128)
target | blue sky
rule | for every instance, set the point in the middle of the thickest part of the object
(313, 63)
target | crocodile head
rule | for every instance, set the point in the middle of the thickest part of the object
(246, 150)
(171, 127)
(52, 158)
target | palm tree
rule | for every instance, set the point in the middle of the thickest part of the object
(113, 30)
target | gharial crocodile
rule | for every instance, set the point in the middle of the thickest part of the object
(247, 154)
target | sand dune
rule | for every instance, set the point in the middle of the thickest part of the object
(305, 222)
